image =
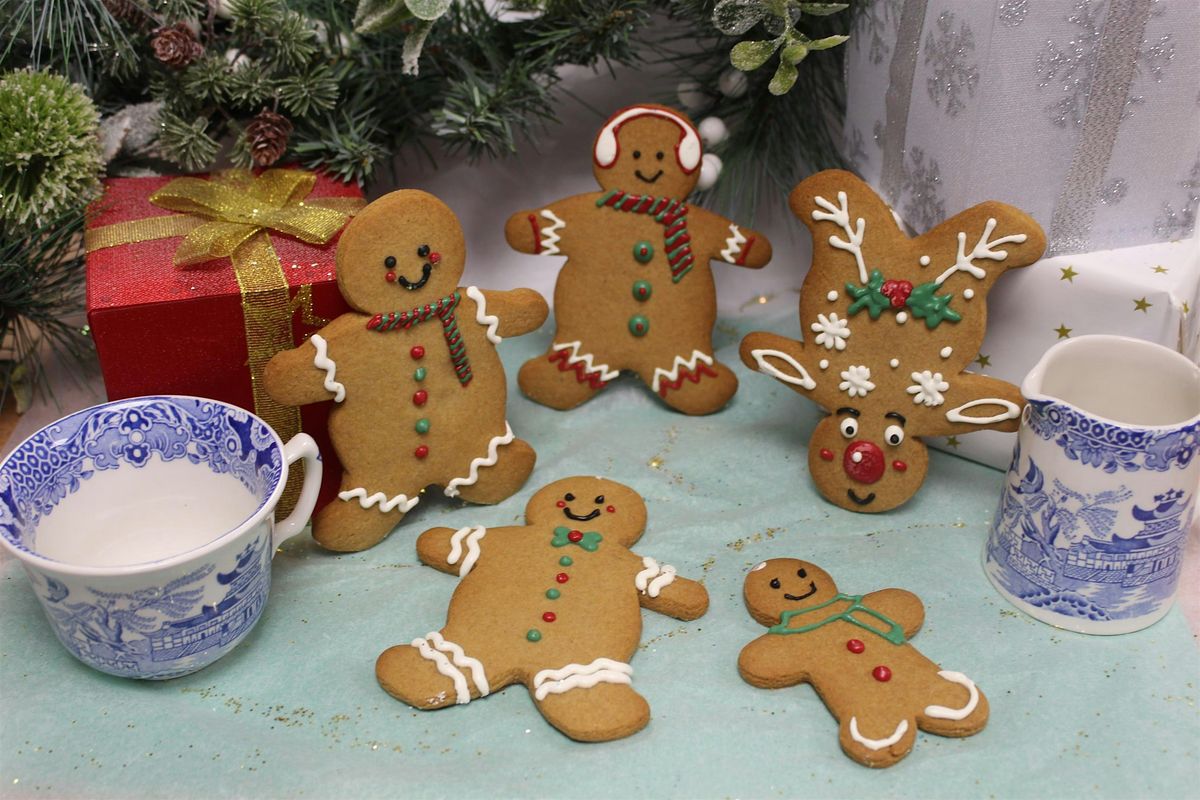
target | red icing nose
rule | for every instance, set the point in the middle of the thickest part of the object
(434, 258)
(863, 462)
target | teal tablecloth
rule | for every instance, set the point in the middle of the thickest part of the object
(296, 711)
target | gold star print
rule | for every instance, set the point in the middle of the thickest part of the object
(1141, 305)
(1063, 331)
(952, 441)
(983, 361)
(1068, 274)
(1160, 269)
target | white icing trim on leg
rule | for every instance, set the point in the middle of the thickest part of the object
(574, 358)
(483, 461)
(322, 361)
(1012, 411)
(462, 692)
(733, 245)
(944, 712)
(461, 659)
(401, 501)
(672, 375)
(581, 676)
(482, 317)
(550, 235)
(877, 744)
(472, 535)
(653, 578)
(803, 379)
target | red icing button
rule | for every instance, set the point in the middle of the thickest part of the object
(562, 577)
(561, 504)
(611, 509)
(549, 616)
(417, 351)
(826, 454)
(391, 277)
(574, 536)
(419, 397)
(881, 674)
(421, 451)
(899, 466)
(856, 646)
(863, 461)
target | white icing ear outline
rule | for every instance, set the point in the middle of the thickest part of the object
(687, 152)
(758, 566)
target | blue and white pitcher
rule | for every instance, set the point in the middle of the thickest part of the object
(1102, 488)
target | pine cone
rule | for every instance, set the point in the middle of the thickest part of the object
(268, 136)
(176, 45)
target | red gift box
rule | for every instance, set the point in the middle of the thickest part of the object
(208, 326)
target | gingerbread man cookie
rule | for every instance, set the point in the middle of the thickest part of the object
(554, 604)
(418, 386)
(854, 650)
(891, 324)
(636, 292)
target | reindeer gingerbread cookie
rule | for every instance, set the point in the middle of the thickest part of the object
(554, 604)
(855, 652)
(891, 323)
(636, 292)
(418, 386)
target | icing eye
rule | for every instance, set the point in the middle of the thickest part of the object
(637, 153)
(600, 500)
(849, 427)
(390, 262)
(569, 497)
(423, 250)
(894, 435)
(774, 583)
(659, 155)
(802, 573)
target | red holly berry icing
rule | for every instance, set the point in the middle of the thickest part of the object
(855, 646)
(897, 291)
(881, 674)
(574, 536)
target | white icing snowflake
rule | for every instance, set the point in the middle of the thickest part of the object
(831, 331)
(856, 381)
(928, 387)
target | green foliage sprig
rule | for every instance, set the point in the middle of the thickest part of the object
(778, 18)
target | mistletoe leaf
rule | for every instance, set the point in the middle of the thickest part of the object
(795, 53)
(748, 56)
(735, 17)
(374, 16)
(428, 9)
(827, 42)
(822, 9)
(785, 77)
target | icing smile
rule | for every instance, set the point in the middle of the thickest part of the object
(862, 501)
(812, 589)
(657, 175)
(595, 512)
(426, 271)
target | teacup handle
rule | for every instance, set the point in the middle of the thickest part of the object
(300, 446)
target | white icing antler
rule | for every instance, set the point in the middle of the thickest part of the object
(982, 249)
(840, 216)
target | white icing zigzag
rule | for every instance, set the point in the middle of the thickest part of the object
(550, 235)
(462, 694)
(803, 379)
(840, 216)
(583, 676)
(662, 576)
(482, 317)
(942, 712)
(322, 361)
(982, 249)
(606, 374)
(673, 374)
(877, 744)
(483, 461)
(401, 501)
(733, 245)
(1011, 411)
(472, 535)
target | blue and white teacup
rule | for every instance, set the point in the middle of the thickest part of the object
(1102, 488)
(147, 528)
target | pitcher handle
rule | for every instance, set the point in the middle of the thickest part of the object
(301, 446)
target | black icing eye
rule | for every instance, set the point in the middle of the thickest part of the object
(802, 573)
(569, 497)
(637, 153)
(423, 250)
(659, 155)
(390, 262)
(774, 583)
(599, 499)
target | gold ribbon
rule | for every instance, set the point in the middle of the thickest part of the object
(229, 216)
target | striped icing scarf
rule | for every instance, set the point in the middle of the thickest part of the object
(671, 214)
(444, 310)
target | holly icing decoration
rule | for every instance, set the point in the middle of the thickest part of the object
(878, 295)
(564, 536)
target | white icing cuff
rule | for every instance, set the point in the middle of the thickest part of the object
(943, 712)
(322, 361)
(653, 578)
(574, 358)
(550, 237)
(400, 501)
(877, 744)
(672, 375)
(483, 461)
(462, 693)
(482, 317)
(580, 676)
(733, 245)
(801, 378)
(472, 536)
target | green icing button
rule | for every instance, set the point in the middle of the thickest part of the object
(566, 561)
(419, 375)
(641, 290)
(534, 635)
(553, 594)
(422, 425)
(639, 325)
(643, 252)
